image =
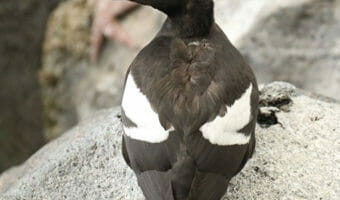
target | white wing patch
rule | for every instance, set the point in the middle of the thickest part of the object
(138, 109)
(224, 130)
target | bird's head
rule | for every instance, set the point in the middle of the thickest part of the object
(197, 14)
(178, 7)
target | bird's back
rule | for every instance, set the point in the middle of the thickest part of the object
(189, 111)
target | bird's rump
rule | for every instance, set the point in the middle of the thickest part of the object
(188, 111)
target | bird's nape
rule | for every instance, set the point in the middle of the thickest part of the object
(168, 7)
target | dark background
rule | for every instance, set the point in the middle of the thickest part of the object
(22, 30)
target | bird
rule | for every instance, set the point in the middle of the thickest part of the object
(189, 107)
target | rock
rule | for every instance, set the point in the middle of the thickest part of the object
(294, 41)
(296, 158)
(299, 44)
(22, 28)
(237, 18)
(73, 87)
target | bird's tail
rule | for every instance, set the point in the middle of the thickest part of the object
(174, 184)
(156, 185)
(207, 186)
(183, 182)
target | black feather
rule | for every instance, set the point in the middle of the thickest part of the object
(189, 73)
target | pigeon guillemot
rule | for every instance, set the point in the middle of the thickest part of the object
(189, 107)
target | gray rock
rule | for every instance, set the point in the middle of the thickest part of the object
(238, 18)
(296, 158)
(293, 40)
(299, 44)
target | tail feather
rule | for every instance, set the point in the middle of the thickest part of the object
(208, 186)
(182, 182)
(182, 175)
(156, 185)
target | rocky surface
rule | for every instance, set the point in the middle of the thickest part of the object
(299, 44)
(297, 157)
(291, 40)
(22, 28)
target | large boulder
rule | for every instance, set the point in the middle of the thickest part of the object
(297, 156)
(299, 44)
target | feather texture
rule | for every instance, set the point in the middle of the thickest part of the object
(189, 108)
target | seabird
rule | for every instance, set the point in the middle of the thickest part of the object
(189, 107)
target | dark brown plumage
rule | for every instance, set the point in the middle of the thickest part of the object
(189, 74)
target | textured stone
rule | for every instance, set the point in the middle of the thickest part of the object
(296, 158)
(298, 43)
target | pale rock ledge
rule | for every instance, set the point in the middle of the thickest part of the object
(297, 156)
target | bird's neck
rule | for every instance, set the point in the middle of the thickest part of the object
(194, 20)
(191, 25)
(188, 18)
